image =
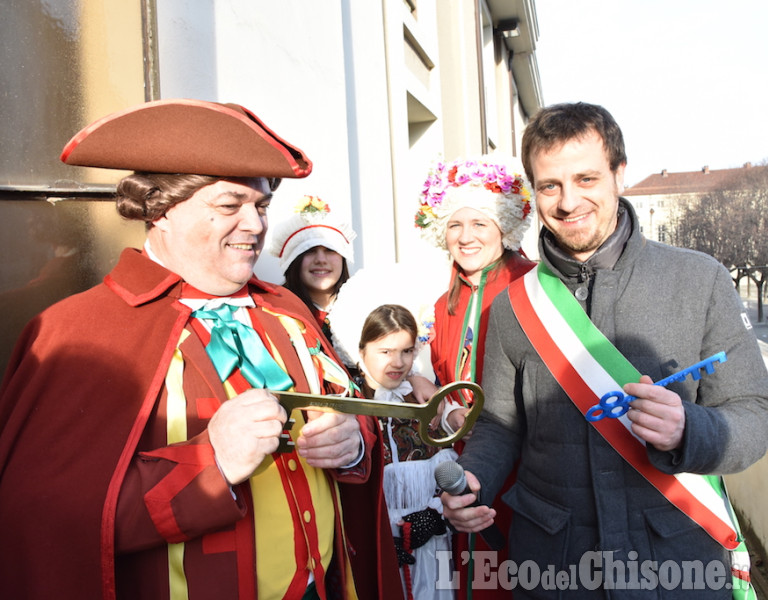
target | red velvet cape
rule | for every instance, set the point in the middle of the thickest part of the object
(84, 377)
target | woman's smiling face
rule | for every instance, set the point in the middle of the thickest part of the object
(320, 272)
(474, 241)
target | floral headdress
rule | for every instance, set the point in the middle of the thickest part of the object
(311, 226)
(486, 184)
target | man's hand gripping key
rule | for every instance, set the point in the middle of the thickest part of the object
(616, 404)
(424, 413)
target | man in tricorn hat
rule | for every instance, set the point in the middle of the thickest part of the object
(138, 443)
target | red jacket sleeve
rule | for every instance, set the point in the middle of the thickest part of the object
(361, 472)
(174, 494)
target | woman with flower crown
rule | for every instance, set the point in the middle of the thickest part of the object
(478, 211)
(314, 248)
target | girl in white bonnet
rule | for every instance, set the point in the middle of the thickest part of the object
(315, 248)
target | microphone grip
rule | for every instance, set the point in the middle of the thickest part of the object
(491, 535)
(450, 478)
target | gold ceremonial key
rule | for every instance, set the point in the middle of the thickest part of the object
(373, 408)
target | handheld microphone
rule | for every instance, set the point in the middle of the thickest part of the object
(450, 478)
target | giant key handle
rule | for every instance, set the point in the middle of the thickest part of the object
(424, 413)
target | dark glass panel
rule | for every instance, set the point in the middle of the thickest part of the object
(51, 250)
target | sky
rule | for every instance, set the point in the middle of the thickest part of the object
(686, 80)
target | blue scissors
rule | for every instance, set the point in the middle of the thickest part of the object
(616, 404)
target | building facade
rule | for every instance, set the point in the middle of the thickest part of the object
(655, 197)
(372, 91)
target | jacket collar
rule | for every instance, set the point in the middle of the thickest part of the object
(137, 279)
(483, 274)
(608, 256)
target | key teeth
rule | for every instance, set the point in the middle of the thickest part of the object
(678, 377)
(286, 444)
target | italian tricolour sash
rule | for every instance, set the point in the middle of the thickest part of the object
(587, 366)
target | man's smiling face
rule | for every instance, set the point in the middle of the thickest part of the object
(577, 194)
(214, 238)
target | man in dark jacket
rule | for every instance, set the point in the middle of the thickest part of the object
(625, 506)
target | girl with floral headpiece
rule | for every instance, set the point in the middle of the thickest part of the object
(314, 248)
(478, 211)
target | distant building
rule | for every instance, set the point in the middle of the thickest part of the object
(655, 195)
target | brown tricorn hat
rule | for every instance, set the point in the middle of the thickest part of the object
(186, 136)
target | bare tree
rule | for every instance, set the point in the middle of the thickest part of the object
(730, 224)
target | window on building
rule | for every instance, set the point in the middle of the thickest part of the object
(662, 233)
(64, 65)
(489, 57)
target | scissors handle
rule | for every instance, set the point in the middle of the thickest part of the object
(616, 404)
(424, 413)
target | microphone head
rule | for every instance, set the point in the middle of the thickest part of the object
(450, 477)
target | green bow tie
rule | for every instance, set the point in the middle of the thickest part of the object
(235, 345)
